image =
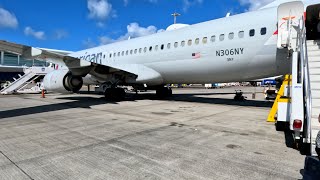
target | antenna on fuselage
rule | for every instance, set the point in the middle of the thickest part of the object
(175, 15)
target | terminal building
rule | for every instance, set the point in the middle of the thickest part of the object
(12, 64)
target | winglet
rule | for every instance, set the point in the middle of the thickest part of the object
(35, 52)
(31, 52)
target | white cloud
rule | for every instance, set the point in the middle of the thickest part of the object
(28, 31)
(60, 34)
(105, 40)
(133, 30)
(7, 19)
(188, 3)
(255, 4)
(126, 2)
(99, 9)
(88, 43)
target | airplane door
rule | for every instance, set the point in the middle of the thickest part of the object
(288, 13)
(313, 22)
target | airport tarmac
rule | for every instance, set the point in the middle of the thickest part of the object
(196, 134)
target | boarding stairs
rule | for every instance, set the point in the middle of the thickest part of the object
(305, 88)
(25, 83)
(313, 49)
(298, 101)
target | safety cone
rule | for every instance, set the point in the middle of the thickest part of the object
(43, 94)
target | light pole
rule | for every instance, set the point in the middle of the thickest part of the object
(175, 15)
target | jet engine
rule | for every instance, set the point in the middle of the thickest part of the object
(62, 81)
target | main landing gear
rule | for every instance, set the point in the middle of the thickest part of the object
(118, 94)
(115, 94)
(163, 92)
(239, 96)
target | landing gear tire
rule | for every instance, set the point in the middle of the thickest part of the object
(164, 92)
(115, 94)
(239, 96)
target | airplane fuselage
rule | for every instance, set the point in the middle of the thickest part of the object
(220, 50)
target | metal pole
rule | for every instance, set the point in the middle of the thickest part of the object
(175, 15)
(18, 59)
(2, 58)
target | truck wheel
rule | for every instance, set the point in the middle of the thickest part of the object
(304, 148)
(280, 126)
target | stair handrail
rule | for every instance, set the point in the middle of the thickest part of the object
(14, 82)
(303, 49)
(4, 90)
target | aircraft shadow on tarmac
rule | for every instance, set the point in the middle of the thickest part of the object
(87, 102)
(79, 102)
(194, 98)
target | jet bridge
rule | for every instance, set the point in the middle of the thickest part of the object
(298, 101)
(25, 83)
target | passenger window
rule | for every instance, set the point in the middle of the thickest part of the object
(135, 51)
(183, 43)
(241, 34)
(168, 45)
(231, 35)
(110, 55)
(104, 56)
(251, 32)
(131, 51)
(263, 31)
(190, 42)
(221, 37)
(205, 40)
(140, 50)
(213, 38)
(156, 47)
(162, 46)
(127, 52)
(197, 41)
(150, 48)
(114, 54)
(122, 54)
(118, 53)
(176, 44)
(145, 49)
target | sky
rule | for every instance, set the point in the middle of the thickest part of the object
(79, 24)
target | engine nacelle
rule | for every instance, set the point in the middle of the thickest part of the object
(62, 81)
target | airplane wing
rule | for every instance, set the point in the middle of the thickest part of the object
(50, 55)
(142, 73)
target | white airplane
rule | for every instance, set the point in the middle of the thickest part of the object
(237, 48)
